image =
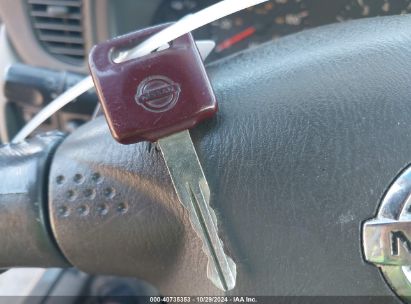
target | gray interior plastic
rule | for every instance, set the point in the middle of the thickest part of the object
(26, 238)
(102, 19)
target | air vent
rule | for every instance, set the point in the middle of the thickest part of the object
(58, 26)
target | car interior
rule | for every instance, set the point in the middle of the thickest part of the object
(262, 156)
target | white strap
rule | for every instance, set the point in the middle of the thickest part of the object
(183, 26)
(188, 24)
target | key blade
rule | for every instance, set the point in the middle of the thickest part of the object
(194, 194)
(221, 269)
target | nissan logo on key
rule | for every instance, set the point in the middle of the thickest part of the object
(157, 94)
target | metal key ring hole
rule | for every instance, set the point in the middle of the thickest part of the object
(119, 55)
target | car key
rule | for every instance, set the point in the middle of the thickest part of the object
(158, 98)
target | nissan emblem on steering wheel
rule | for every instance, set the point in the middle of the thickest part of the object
(387, 238)
(157, 94)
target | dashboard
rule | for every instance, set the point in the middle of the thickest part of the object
(275, 18)
(39, 28)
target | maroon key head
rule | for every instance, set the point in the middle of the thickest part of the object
(154, 96)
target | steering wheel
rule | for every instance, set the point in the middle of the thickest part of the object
(312, 131)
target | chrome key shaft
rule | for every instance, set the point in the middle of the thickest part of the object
(194, 194)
